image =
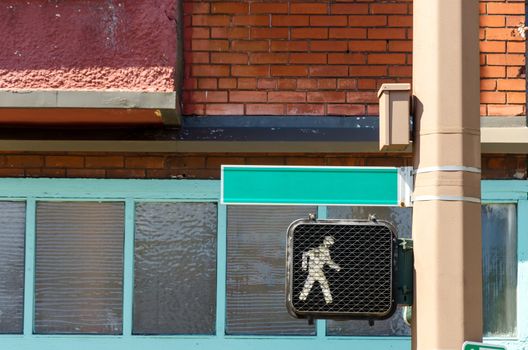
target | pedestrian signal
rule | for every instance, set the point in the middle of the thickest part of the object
(341, 269)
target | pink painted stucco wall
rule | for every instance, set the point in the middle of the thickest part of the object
(88, 44)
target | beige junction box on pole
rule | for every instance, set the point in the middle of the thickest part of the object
(446, 230)
(394, 116)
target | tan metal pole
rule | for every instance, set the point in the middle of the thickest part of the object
(446, 216)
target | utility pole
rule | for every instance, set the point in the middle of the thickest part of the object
(446, 217)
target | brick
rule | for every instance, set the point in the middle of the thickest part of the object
(347, 84)
(506, 110)
(516, 97)
(64, 161)
(45, 172)
(290, 20)
(267, 84)
(265, 109)
(269, 7)
(289, 46)
(230, 7)
(207, 83)
(511, 84)
(305, 161)
(347, 33)
(328, 84)
(309, 8)
(229, 57)
(400, 71)
(400, 46)
(347, 58)
(193, 109)
(229, 33)
(269, 33)
(86, 173)
(505, 8)
(492, 21)
(290, 71)
(329, 46)
(400, 21)
(367, 45)
(309, 33)
(492, 72)
(305, 109)
(217, 162)
(329, 71)
(204, 96)
(247, 83)
(326, 96)
(492, 46)
(224, 109)
(328, 21)
(247, 96)
(209, 45)
(12, 172)
(268, 58)
(499, 34)
(346, 109)
(265, 160)
(352, 9)
(227, 83)
(516, 47)
(207, 20)
(210, 70)
(492, 97)
(197, 57)
(386, 58)
(386, 33)
(125, 173)
(24, 161)
(197, 33)
(249, 71)
(145, 162)
(287, 84)
(249, 45)
(250, 20)
(362, 97)
(309, 58)
(309, 84)
(367, 21)
(195, 7)
(390, 9)
(367, 71)
(505, 60)
(104, 162)
(175, 162)
(286, 96)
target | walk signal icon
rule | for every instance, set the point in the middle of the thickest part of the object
(341, 269)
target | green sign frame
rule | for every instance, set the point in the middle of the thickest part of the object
(468, 345)
(315, 185)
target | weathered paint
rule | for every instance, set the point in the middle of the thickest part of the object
(89, 44)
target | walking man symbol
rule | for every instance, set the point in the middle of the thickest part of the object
(314, 261)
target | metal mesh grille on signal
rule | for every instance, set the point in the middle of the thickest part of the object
(342, 269)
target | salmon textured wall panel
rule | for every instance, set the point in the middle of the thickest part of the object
(88, 44)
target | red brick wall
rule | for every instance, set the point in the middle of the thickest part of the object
(503, 84)
(291, 57)
(202, 166)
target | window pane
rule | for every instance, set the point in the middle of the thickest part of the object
(175, 268)
(401, 218)
(499, 264)
(12, 233)
(79, 268)
(256, 263)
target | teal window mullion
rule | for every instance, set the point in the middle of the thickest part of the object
(29, 274)
(128, 267)
(322, 213)
(221, 275)
(522, 270)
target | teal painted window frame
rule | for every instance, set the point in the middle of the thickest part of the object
(132, 191)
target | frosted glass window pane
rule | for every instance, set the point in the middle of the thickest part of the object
(175, 268)
(256, 263)
(499, 264)
(401, 218)
(12, 229)
(79, 267)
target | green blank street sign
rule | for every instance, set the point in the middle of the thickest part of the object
(387, 186)
(481, 346)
